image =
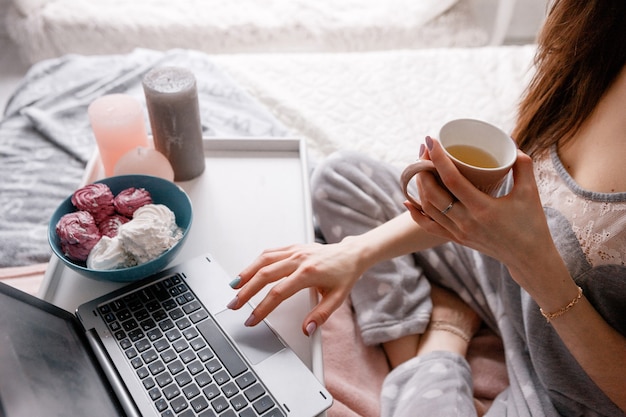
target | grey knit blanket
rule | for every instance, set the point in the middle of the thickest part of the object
(46, 140)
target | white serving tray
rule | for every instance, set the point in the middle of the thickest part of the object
(253, 195)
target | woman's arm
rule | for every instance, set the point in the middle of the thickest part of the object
(332, 269)
(514, 230)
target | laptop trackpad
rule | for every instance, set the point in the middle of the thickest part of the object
(256, 343)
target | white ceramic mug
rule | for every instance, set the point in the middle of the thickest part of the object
(483, 153)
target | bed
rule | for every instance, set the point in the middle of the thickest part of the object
(382, 103)
(52, 28)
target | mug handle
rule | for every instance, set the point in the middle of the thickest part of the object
(409, 172)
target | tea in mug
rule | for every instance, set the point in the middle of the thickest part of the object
(472, 155)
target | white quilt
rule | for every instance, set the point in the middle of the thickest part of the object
(384, 103)
(52, 28)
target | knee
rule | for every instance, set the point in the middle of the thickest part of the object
(332, 174)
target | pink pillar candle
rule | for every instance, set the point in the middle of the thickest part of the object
(173, 108)
(118, 124)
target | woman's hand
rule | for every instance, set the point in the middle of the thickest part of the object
(331, 269)
(512, 228)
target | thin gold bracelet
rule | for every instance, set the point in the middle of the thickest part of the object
(559, 313)
(447, 327)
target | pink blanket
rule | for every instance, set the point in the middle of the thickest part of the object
(354, 372)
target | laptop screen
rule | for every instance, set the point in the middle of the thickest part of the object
(45, 367)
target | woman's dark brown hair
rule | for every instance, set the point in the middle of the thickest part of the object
(581, 51)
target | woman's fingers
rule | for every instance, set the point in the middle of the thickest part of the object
(322, 311)
(271, 266)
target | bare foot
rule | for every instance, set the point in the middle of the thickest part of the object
(452, 324)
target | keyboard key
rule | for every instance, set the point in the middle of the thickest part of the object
(175, 367)
(155, 394)
(212, 391)
(191, 391)
(197, 343)
(161, 404)
(161, 345)
(192, 306)
(203, 379)
(187, 356)
(142, 314)
(230, 389)
(213, 366)
(179, 404)
(183, 323)
(190, 333)
(136, 362)
(245, 380)
(199, 404)
(221, 377)
(219, 404)
(205, 354)
(172, 335)
(164, 379)
(159, 315)
(142, 372)
(149, 356)
(171, 391)
(148, 383)
(183, 379)
(131, 353)
(156, 367)
(154, 334)
(130, 324)
(254, 392)
(263, 404)
(166, 324)
(168, 355)
(195, 367)
(123, 314)
(147, 324)
(198, 316)
(135, 335)
(176, 314)
(142, 345)
(238, 402)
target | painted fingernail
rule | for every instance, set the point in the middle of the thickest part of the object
(429, 143)
(250, 320)
(234, 283)
(310, 328)
(233, 303)
(422, 149)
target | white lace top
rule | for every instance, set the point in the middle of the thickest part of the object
(597, 219)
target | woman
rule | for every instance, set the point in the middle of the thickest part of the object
(544, 265)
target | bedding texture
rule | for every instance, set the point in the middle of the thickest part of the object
(379, 103)
(52, 28)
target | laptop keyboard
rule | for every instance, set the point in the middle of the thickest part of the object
(183, 359)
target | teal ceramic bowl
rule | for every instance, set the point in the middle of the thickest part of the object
(162, 192)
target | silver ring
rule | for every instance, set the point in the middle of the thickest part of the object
(447, 209)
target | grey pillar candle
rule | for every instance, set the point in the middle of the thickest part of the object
(172, 101)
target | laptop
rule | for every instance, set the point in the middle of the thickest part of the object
(163, 346)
